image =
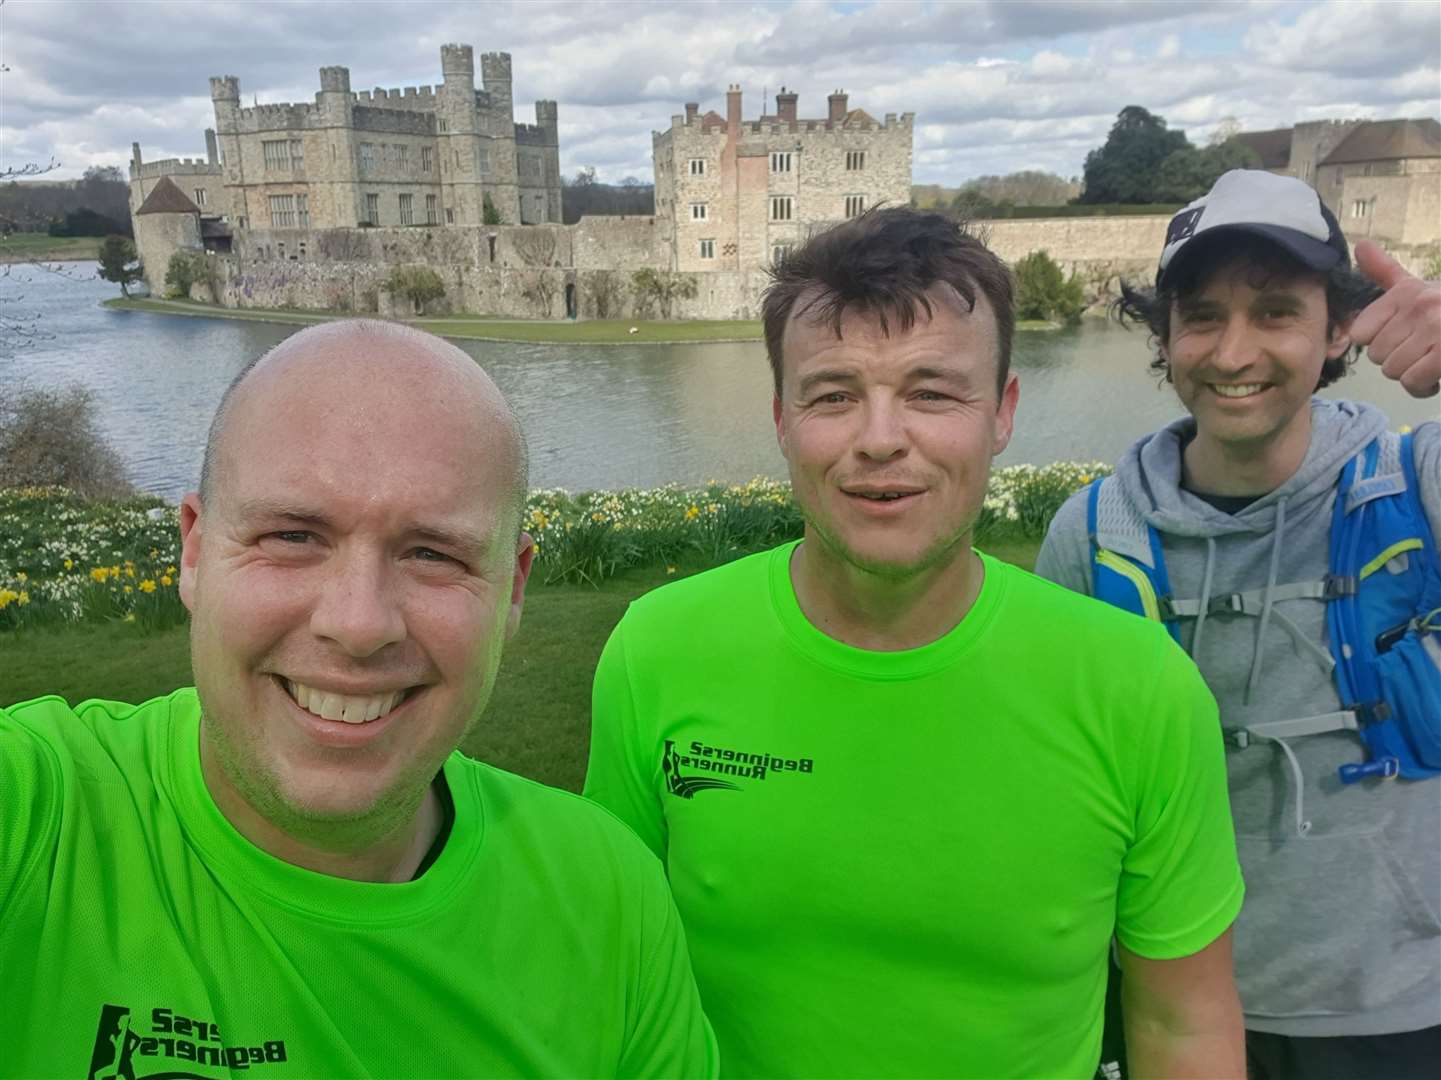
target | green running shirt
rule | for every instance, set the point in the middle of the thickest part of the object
(912, 863)
(141, 935)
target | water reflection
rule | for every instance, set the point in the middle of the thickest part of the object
(596, 416)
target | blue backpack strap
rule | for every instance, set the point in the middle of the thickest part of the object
(1383, 621)
(1128, 569)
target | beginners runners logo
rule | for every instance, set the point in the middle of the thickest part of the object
(722, 761)
(171, 1036)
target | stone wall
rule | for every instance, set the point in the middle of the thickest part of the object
(158, 237)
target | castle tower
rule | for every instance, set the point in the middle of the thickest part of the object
(459, 138)
(332, 168)
(495, 78)
(547, 119)
(225, 98)
(503, 181)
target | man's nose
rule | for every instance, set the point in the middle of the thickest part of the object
(357, 607)
(1239, 346)
(883, 433)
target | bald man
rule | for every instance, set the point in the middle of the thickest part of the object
(289, 868)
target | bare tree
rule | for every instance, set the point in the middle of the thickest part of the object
(536, 247)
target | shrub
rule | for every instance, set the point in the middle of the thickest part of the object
(489, 215)
(418, 284)
(658, 290)
(1042, 292)
(49, 437)
(187, 269)
(119, 263)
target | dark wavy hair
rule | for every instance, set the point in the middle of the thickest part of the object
(882, 263)
(1347, 292)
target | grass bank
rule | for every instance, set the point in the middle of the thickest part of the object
(538, 720)
(468, 328)
(41, 247)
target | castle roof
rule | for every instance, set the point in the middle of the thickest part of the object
(1388, 140)
(712, 119)
(859, 116)
(1272, 147)
(167, 198)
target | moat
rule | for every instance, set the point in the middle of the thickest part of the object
(595, 416)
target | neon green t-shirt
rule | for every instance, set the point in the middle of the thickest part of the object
(912, 863)
(141, 935)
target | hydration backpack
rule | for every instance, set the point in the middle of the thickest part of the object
(1383, 610)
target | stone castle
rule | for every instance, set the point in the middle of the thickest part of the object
(313, 205)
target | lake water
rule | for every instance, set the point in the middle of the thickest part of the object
(596, 416)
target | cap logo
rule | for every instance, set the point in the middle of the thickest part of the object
(1183, 225)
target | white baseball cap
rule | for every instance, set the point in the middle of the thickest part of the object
(1282, 209)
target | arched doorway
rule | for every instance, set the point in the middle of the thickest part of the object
(570, 301)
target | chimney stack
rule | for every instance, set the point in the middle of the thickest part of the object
(692, 109)
(786, 106)
(733, 108)
(838, 109)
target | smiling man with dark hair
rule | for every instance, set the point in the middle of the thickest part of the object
(1289, 543)
(906, 793)
(290, 868)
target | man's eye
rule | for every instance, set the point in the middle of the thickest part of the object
(292, 536)
(835, 397)
(932, 395)
(430, 555)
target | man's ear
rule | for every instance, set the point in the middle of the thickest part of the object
(190, 529)
(524, 563)
(1340, 339)
(1006, 414)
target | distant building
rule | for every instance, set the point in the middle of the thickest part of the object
(422, 156)
(733, 194)
(1381, 178)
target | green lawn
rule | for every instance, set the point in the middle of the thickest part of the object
(592, 332)
(538, 721)
(41, 247)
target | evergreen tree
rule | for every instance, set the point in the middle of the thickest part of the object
(119, 263)
(1126, 168)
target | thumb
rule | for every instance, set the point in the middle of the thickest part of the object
(1381, 268)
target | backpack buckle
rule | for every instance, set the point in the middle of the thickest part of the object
(1336, 586)
(1371, 712)
(1230, 604)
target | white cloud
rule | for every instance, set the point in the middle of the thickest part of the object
(995, 87)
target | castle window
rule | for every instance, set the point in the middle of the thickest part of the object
(781, 207)
(425, 161)
(277, 153)
(698, 211)
(697, 166)
(407, 209)
(200, 197)
(450, 216)
(482, 160)
(302, 214)
(779, 252)
(297, 154)
(444, 126)
(282, 211)
(1363, 207)
(302, 249)
(707, 249)
(855, 160)
(280, 248)
(403, 152)
(781, 162)
(855, 205)
(367, 156)
(372, 209)
(431, 214)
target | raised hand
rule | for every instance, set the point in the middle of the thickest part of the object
(1402, 328)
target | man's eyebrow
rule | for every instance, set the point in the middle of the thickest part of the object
(475, 543)
(471, 543)
(947, 375)
(1280, 296)
(268, 508)
(845, 376)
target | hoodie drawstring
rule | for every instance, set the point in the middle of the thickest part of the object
(1268, 598)
(1205, 596)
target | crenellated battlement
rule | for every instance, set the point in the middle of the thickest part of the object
(173, 167)
(411, 97)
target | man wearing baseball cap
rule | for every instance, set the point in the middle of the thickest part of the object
(1289, 542)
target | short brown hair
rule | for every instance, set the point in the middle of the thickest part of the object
(882, 263)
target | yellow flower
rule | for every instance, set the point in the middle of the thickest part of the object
(670, 569)
(115, 571)
(155, 553)
(692, 513)
(167, 580)
(130, 617)
(129, 569)
(20, 575)
(128, 590)
(147, 586)
(23, 598)
(170, 569)
(1085, 478)
(69, 564)
(99, 574)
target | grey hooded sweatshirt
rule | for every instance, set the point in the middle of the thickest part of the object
(1341, 929)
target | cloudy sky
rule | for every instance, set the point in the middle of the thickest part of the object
(995, 86)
